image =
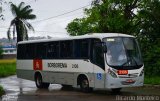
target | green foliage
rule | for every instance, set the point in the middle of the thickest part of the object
(152, 58)
(140, 18)
(152, 80)
(20, 25)
(109, 16)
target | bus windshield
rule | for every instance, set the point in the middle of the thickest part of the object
(123, 53)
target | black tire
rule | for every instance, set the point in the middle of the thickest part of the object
(39, 82)
(84, 85)
(116, 90)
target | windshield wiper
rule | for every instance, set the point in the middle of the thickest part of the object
(128, 60)
(134, 60)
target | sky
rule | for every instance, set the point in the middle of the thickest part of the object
(56, 11)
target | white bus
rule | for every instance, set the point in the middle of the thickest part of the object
(102, 60)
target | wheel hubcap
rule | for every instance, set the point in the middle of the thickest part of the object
(85, 84)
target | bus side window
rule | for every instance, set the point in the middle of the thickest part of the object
(98, 57)
(53, 50)
(45, 50)
(66, 49)
(38, 51)
(21, 52)
(81, 48)
(84, 48)
(50, 51)
(27, 52)
(30, 51)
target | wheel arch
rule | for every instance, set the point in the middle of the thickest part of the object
(80, 77)
(37, 73)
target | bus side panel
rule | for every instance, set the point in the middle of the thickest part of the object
(99, 77)
(50, 76)
(25, 74)
(25, 69)
(66, 78)
(56, 74)
(58, 77)
(67, 74)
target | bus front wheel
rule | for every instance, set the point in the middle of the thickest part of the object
(84, 85)
(40, 83)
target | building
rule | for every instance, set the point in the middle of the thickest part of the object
(9, 52)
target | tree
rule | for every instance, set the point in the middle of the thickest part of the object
(149, 31)
(122, 16)
(140, 18)
(19, 24)
(79, 27)
(110, 16)
(1, 9)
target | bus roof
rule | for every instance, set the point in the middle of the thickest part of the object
(90, 35)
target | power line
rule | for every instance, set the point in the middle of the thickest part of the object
(60, 14)
(41, 31)
(59, 21)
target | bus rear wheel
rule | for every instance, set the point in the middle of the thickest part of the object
(40, 83)
(84, 85)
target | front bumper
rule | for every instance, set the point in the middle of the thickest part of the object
(123, 82)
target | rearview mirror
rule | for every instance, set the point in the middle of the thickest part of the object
(102, 45)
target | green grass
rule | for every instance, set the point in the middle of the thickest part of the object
(7, 61)
(152, 80)
(1, 91)
(7, 67)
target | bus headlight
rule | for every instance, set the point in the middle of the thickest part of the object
(112, 73)
(142, 72)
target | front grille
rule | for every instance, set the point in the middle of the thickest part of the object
(127, 83)
(128, 75)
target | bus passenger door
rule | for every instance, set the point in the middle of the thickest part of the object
(98, 64)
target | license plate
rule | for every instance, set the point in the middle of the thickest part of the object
(130, 81)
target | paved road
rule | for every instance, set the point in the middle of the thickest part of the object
(24, 90)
